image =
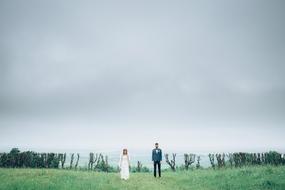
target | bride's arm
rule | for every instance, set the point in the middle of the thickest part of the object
(120, 161)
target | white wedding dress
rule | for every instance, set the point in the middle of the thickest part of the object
(124, 166)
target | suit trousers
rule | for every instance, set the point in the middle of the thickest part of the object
(156, 164)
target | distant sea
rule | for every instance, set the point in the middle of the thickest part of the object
(144, 156)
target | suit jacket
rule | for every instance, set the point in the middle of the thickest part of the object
(156, 154)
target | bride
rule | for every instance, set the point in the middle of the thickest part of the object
(124, 165)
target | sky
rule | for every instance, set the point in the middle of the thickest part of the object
(191, 75)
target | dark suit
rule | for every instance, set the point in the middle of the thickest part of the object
(156, 158)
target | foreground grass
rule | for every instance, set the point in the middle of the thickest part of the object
(254, 178)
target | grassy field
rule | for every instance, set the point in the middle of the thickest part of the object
(267, 177)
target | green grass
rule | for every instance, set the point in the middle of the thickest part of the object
(258, 178)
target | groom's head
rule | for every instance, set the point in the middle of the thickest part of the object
(156, 145)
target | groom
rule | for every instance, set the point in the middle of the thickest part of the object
(156, 158)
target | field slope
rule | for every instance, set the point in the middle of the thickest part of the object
(258, 178)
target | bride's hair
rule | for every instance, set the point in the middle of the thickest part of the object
(125, 151)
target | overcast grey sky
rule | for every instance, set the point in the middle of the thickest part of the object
(192, 75)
